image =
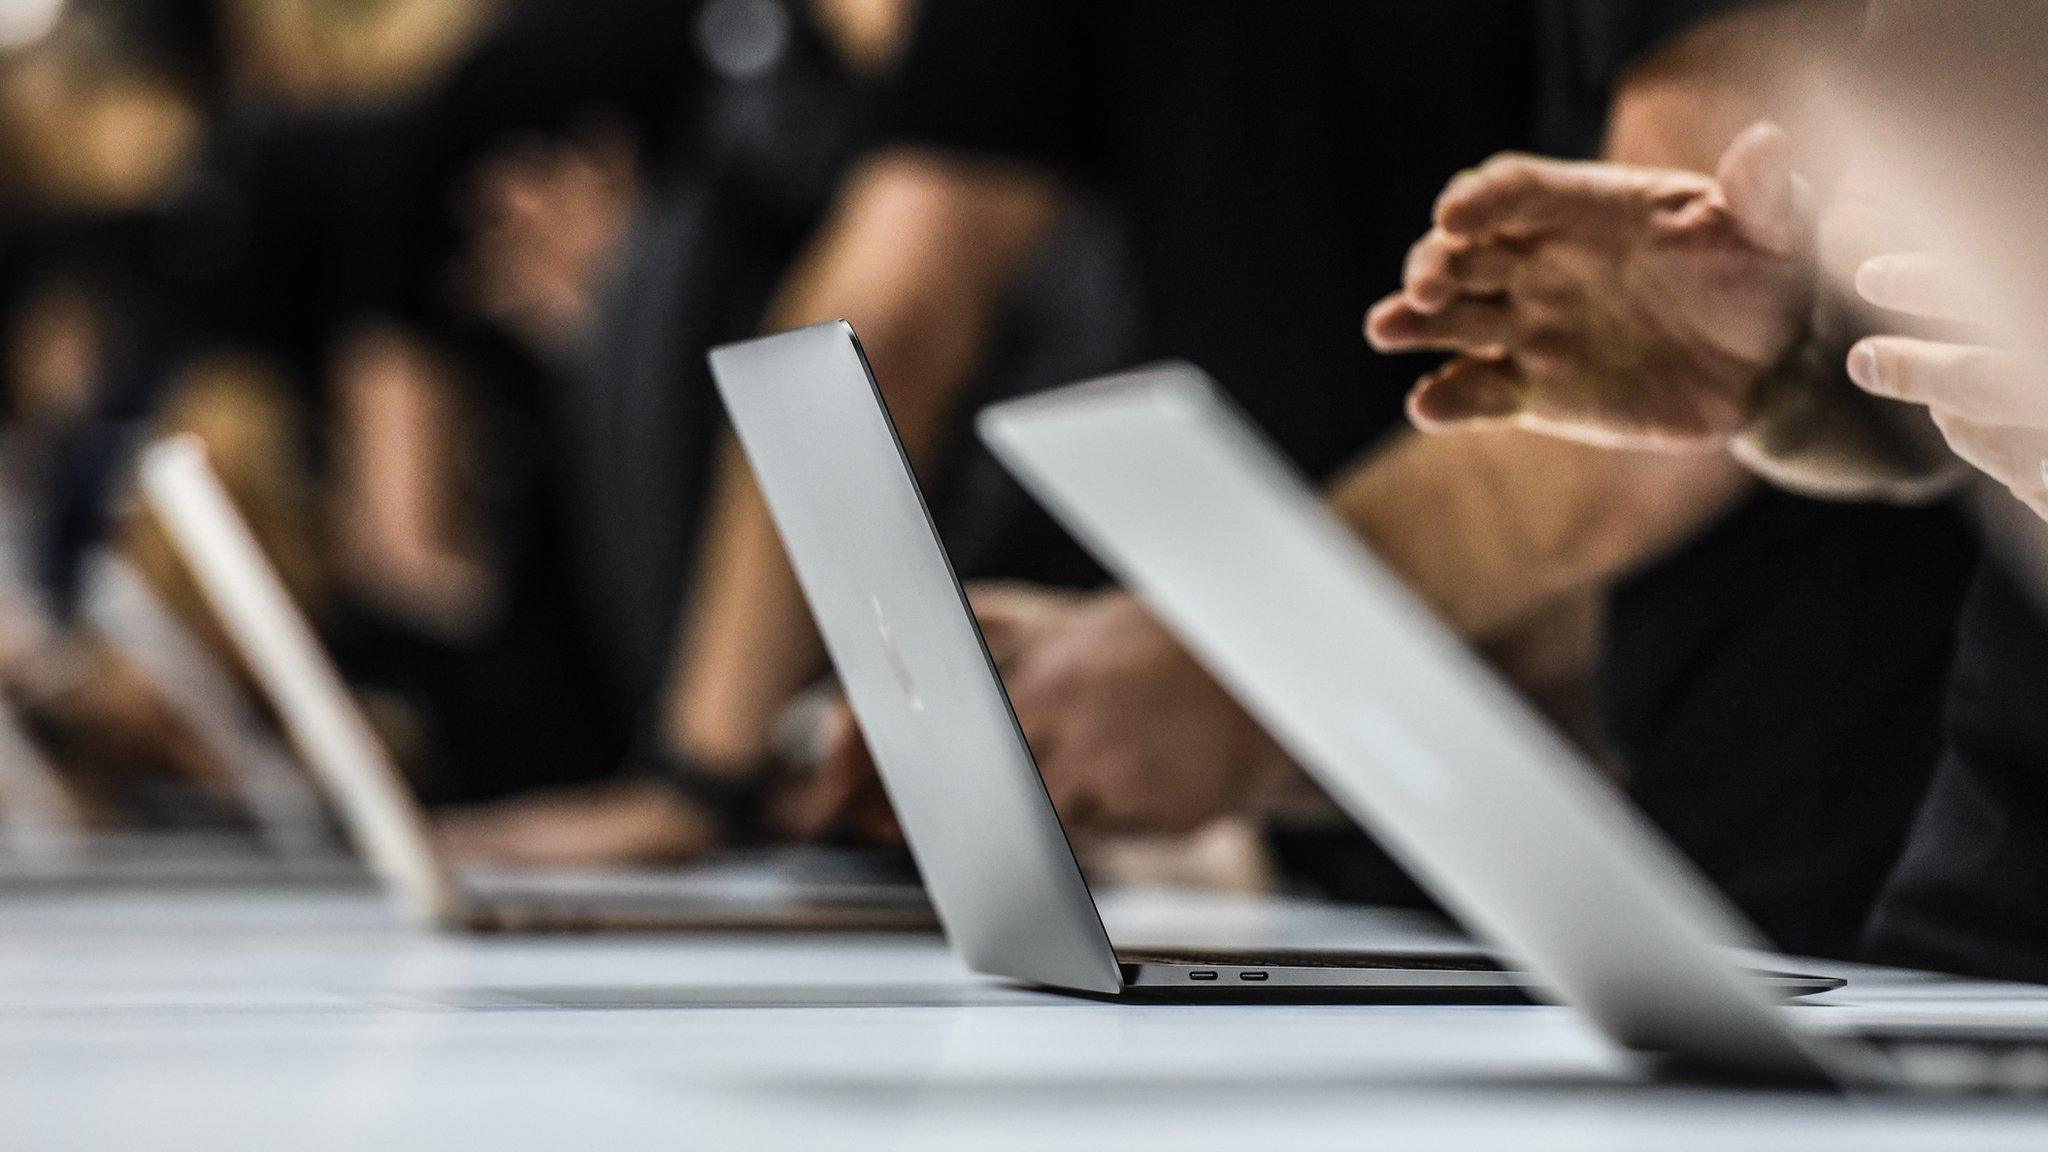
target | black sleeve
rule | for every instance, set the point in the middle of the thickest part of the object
(1007, 79)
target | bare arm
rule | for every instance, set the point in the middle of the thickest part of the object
(396, 498)
(1539, 520)
(1495, 527)
(920, 256)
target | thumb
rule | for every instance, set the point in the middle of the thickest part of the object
(1772, 207)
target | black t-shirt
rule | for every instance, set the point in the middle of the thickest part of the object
(1971, 894)
(1776, 688)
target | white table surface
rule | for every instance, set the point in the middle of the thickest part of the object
(311, 1019)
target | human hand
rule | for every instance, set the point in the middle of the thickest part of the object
(609, 825)
(1129, 732)
(842, 798)
(547, 222)
(844, 795)
(1990, 404)
(1607, 304)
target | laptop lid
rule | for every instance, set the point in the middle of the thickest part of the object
(898, 628)
(1506, 823)
(320, 716)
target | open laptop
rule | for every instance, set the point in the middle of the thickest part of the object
(1505, 822)
(795, 889)
(973, 808)
(284, 809)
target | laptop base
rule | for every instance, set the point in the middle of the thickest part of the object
(1356, 977)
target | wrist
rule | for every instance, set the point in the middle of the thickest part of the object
(1814, 433)
(730, 795)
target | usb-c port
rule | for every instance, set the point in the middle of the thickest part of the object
(1202, 974)
(1253, 976)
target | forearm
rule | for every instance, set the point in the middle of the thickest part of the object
(748, 644)
(389, 416)
(891, 263)
(397, 487)
(1492, 527)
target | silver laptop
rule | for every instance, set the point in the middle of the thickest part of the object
(973, 808)
(1505, 822)
(798, 889)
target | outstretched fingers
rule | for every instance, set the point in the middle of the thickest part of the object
(1517, 196)
(1464, 325)
(1468, 389)
(1441, 267)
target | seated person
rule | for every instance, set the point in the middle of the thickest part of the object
(1641, 256)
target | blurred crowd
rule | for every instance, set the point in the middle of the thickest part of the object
(432, 279)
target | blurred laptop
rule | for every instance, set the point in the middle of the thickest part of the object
(799, 888)
(284, 809)
(49, 839)
(48, 836)
(1508, 824)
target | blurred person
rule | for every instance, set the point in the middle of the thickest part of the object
(1692, 679)
(90, 123)
(1634, 247)
(318, 235)
(105, 122)
(1250, 262)
(96, 126)
(1966, 896)
(115, 260)
(126, 751)
(1953, 111)
(468, 281)
(945, 238)
(634, 392)
(607, 244)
